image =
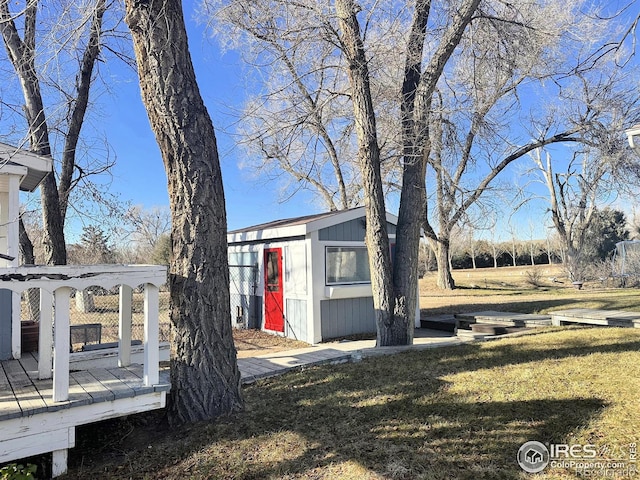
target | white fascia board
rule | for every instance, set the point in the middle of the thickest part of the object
(267, 234)
(9, 169)
(391, 218)
(26, 158)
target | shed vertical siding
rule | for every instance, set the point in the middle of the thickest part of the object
(347, 316)
(5, 324)
(351, 231)
(296, 319)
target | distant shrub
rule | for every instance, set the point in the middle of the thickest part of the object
(534, 277)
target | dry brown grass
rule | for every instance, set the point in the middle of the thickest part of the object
(449, 413)
(509, 289)
(250, 343)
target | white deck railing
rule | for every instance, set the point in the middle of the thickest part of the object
(56, 284)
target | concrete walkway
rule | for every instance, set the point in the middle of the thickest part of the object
(272, 364)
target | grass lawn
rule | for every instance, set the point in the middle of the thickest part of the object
(509, 289)
(458, 412)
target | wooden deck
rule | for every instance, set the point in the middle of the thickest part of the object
(592, 316)
(32, 423)
(22, 394)
(507, 319)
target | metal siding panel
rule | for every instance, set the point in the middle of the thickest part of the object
(354, 230)
(335, 317)
(352, 315)
(357, 315)
(347, 316)
(325, 320)
(351, 231)
(369, 317)
(297, 319)
(342, 232)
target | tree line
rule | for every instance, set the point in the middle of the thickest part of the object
(609, 227)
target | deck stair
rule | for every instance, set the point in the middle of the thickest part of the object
(592, 316)
(444, 322)
(505, 319)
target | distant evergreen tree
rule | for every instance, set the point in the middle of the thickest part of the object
(94, 247)
(609, 226)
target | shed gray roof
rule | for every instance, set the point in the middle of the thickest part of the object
(38, 166)
(289, 228)
(288, 222)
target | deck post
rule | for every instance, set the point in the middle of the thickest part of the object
(45, 340)
(151, 335)
(59, 462)
(124, 334)
(10, 213)
(61, 345)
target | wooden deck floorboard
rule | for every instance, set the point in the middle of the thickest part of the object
(23, 394)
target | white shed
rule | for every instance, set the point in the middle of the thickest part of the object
(306, 278)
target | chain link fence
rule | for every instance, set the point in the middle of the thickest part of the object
(245, 305)
(95, 315)
(95, 312)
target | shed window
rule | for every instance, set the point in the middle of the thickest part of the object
(347, 265)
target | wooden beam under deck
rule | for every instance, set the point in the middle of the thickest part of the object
(22, 394)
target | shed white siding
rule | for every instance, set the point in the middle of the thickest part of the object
(315, 309)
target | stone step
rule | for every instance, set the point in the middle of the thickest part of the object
(445, 323)
(488, 328)
(509, 319)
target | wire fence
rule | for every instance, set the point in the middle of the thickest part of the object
(245, 307)
(94, 315)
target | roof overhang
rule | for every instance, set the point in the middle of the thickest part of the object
(299, 229)
(14, 160)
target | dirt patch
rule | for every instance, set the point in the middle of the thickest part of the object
(250, 343)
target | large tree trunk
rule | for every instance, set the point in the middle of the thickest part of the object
(445, 279)
(204, 372)
(376, 236)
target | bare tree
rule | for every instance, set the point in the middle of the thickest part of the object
(479, 126)
(395, 291)
(204, 371)
(298, 128)
(513, 250)
(600, 169)
(422, 58)
(148, 225)
(86, 36)
(574, 196)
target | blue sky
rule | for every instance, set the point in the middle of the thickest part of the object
(139, 174)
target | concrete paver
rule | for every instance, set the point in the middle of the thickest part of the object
(272, 364)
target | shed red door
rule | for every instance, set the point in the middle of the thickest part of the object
(273, 294)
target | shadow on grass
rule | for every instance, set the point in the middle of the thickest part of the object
(386, 417)
(536, 306)
(468, 358)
